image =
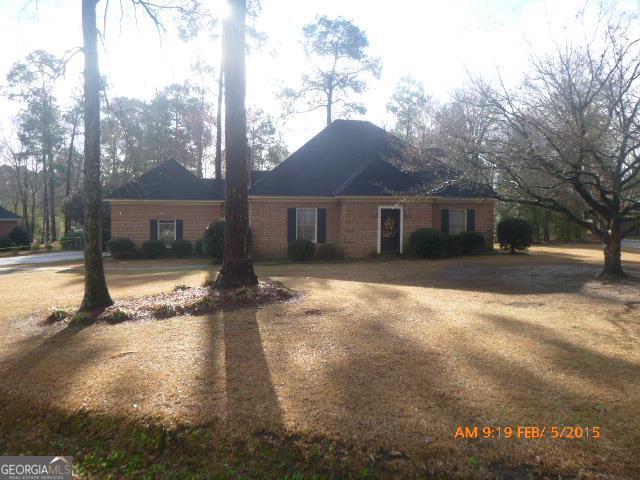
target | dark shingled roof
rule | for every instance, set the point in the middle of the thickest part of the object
(172, 181)
(348, 157)
(169, 181)
(353, 157)
(7, 215)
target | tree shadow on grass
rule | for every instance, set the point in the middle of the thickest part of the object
(31, 370)
(251, 399)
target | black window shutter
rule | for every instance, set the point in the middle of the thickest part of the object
(444, 220)
(153, 227)
(291, 224)
(179, 230)
(322, 225)
(471, 219)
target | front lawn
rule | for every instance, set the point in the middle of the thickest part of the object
(369, 373)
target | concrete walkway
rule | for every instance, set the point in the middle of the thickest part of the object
(41, 258)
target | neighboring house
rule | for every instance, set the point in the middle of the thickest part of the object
(8, 220)
(344, 186)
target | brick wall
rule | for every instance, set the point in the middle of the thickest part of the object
(484, 214)
(268, 220)
(359, 223)
(132, 219)
(6, 226)
(352, 223)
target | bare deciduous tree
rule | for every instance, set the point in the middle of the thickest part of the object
(568, 139)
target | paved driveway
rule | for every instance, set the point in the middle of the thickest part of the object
(41, 258)
(631, 243)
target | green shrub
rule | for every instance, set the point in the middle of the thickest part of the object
(5, 244)
(122, 247)
(35, 247)
(213, 240)
(455, 245)
(153, 249)
(300, 250)
(473, 242)
(327, 251)
(81, 318)
(48, 246)
(116, 315)
(199, 248)
(427, 243)
(202, 305)
(57, 314)
(514, 234)
(19, 236)
(182, 248)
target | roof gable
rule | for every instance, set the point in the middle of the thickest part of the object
(170, 181)
(323, 165)
(7, 215)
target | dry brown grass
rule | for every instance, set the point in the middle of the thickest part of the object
(391, 355)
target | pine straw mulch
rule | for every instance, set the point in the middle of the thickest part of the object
(182, 300)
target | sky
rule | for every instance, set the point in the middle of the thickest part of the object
(440, 43)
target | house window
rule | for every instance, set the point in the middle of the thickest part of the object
(457, 219)
(306, 224)
(167, 231)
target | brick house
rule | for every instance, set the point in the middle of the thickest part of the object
(345, 186)
(8, 220)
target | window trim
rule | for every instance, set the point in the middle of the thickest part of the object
(464, 215)
(315, 236)
(392, 207)
(175, 228)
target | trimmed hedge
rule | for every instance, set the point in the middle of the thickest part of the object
(455, 245)
(472, 242)
(122, 247)
(301, 250)
(182, 248)
(428, 243)
(327, 251)
(154, 249)
(514, 234)
(5, 243)
(19, 236)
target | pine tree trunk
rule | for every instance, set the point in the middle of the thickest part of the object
(45, 202)
(96, 294)
(613, 252)
(67, 188)
(329, 106)
(52, 198)
(237, 266)
(218, 159)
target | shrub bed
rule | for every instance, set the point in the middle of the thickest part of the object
(199, 248)
(514, 234)
(19, 236)
(213, 240)
(154, 249)
(182, 248)
(327, 251)
(122, 248)
(427, 243)
(301, 250)
(472, 242)
(455, 245)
